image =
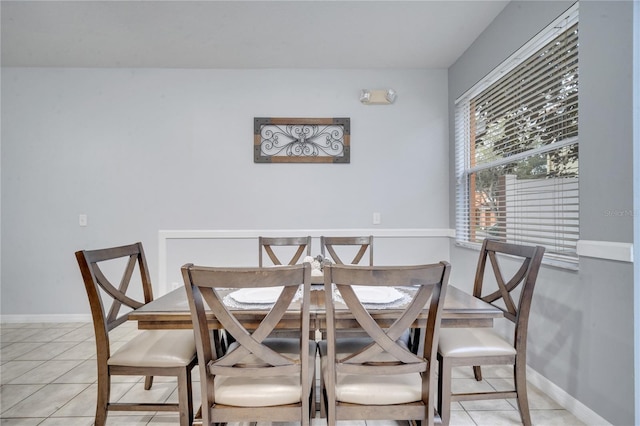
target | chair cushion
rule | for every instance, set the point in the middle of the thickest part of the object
(472, 342)
(379, 390)
(156, 348)
(265, 391)
(366, 389)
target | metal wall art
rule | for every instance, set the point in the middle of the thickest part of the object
(301, 140)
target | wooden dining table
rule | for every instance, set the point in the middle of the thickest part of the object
(171, 311)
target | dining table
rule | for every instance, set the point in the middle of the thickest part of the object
(171, 311)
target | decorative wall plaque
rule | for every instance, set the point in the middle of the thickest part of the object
(301, 140)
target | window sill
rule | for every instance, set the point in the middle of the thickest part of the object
(554, 260)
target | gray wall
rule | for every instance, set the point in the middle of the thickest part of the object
(581, 330)
(139, 150)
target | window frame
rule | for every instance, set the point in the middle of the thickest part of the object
(463, 168)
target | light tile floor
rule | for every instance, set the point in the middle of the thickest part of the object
(48, 378)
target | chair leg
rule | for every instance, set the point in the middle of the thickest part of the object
(429, 419)
(305, 409)
(104, 391)
(331, 407)
(415, 340)
(312, 398)
(520, 379)
(444, 390)
(322, 396)
(185, 397)
(477, 372)
(148, 381)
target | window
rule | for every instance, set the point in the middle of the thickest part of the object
(516, 136)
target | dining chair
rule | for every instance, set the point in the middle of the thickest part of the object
(347, 246)
(378, 377)
(484, 346)
(107, 275)
(257, 378)
(267, 244)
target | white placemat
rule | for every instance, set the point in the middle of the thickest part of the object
(256, 298)
(377, 297)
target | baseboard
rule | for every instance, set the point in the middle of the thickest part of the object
(566, 401)
(53, 318)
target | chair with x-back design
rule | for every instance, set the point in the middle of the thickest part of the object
(338, 246)
(480, 346)
(301, 245)
(257, 378)
(377, 377)
(151, 352)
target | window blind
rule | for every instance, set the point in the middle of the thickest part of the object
(516, 135)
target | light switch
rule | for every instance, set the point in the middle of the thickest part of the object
(82, 220)
(376, 218)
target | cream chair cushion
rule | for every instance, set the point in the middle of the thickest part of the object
(156, 348)
(473, 342)
(379, 390)
(264, 391)
(372, 389)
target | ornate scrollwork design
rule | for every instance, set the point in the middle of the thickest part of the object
(302, 142)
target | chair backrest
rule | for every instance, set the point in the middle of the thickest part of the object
(360, 245)
(527, 261)
(422, 285)
(267, 244)
(208, 286)
(107, 274)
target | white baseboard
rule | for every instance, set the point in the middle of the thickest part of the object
(566, 401)
(53, 318)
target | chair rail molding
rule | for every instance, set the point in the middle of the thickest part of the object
(165, 235)
(609, 250)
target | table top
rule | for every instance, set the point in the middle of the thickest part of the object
(171, 311)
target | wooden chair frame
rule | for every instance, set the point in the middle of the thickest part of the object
(104, 321)
(431, 282)
(266, 244)
(202, 284)
(518, 313)
(365, 243)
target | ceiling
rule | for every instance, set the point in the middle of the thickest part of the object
(241, 34)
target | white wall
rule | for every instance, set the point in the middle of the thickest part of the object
(140, 150)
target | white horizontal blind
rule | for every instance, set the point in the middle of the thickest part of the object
(517, 147)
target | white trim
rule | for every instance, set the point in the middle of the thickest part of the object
(46, 318)
(566, 401)
(190, 234)
(550, 259)
(606, 250)
(314, 233)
